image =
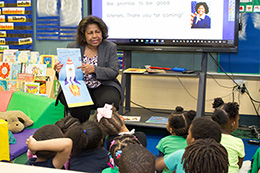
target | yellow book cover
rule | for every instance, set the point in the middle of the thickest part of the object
(135, 70)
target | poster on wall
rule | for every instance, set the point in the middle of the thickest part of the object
(57, 19)
(16, 25)
(249, 6)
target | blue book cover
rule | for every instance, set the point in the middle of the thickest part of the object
(3, 85)
(157, 120)
(71, 79)
(15, 69)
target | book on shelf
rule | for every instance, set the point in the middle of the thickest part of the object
(155, 71)
(31, 87)
(157, 120)
(132, 118)
(135, 70)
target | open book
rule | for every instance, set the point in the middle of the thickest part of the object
(70, 78)
(157, 120)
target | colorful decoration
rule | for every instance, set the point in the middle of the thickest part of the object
(4, 70)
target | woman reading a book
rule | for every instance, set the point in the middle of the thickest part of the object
(100, 67)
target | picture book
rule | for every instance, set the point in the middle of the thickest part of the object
(42, 85)
(15, 69)
(35, 57)
(9, 55)
(11, 85)
(134, 70)
(5, 69)
(56, 88)
(22, 78)
(23, 56)
(132, 118)
(3, 85)
(31, 87)
(157, 120)
(48, 60)
(36, 69)
(70, 78)
(155, 71)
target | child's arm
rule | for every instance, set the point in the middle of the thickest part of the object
(159, 164)
(240, 161)
(60, 145)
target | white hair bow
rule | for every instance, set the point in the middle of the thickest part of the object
(106, 112)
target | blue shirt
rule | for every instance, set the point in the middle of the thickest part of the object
(173, 161)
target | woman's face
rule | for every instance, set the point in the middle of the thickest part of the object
(93, 35)
(201, 10)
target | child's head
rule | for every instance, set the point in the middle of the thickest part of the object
(117, 146)
(227, 116)
(218, 102)
(109, 119)
(204, 128)
(44, 133)
(178, 124)
(205, 155)
(65, 123)
(87, 136)
(136, 159)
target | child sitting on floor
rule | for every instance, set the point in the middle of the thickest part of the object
(200, 128)
(136, 159)
(115, 151)
(113, 124)
(178, 125)
(87, 153)
(227, 117)
(50, 147)
(205, 155)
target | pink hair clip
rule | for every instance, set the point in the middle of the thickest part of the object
(105, 112)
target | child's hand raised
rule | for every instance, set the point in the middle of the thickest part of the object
(31, 142)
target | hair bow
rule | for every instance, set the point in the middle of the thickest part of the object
(105, 112)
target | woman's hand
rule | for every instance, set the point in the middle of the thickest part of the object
(87, 68)
(57, 67)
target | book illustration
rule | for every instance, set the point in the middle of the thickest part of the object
(35, 57)
(31, 87)
(56, 88)
(3, 85)
(9, 55)
(23, 56)
(15, 69)
(134, 70)
(22, 78)
(157, 120)
(42, 86)
(70, 78)
(4, 70)
(36, 69)
(48, 60)
(11, 85)
(132, 118)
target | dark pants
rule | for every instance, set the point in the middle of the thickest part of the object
(100, 96)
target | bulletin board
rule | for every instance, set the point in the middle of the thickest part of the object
(58, 19)
(247, 60)
(16, 25)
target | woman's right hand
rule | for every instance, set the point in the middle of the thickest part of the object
(57, 67)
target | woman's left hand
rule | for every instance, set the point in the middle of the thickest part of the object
(87, 68)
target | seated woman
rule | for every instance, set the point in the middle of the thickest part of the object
(100, 67)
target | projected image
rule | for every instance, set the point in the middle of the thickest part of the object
(200, 17)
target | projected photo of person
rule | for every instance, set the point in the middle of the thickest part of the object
(201, 19)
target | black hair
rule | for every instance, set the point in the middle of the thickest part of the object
(203, 128)
(204, 5)
(44, 133)
(205, 155)
(180, 123)
(119, 143)
(227, 113)
(80, 36)
(136, 159)
(218, 102)
(65, 123)
(87, 136)
(110, 126)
